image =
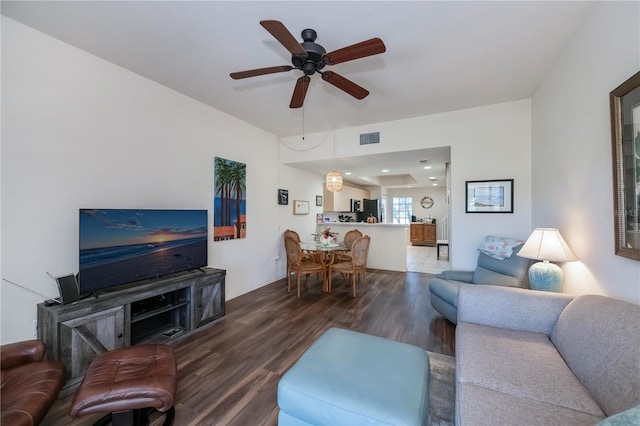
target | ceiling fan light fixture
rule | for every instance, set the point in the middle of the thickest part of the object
(334, 181)
(309, 68)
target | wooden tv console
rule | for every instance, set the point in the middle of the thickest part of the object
(150, 311)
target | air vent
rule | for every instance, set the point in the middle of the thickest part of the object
(369, 138)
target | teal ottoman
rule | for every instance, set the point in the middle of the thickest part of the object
(350, 378)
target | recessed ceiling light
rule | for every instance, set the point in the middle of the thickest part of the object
(385, 171)
(432, 178)
(426, 167)
(347, 173)
(434, 184)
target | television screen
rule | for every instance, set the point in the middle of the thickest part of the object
(122, 246)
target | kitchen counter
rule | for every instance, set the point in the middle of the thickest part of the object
(388, 247)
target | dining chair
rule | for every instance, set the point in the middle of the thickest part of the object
(307, 255)
(357, 263)
(297, 263)
(349, 238)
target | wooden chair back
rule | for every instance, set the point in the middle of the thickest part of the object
(355, 265)
(293, 250)
(295, 263)
(350, 237)
(292, 234)
(360, 252)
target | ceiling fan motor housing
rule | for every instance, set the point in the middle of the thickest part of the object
(313, 62)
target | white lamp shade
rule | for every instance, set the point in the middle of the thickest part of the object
(334, 181)
(547, 244)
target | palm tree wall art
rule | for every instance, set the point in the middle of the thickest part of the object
(229, 204)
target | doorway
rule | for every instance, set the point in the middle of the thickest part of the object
(424, 259)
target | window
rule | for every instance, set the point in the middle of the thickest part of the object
(401, 209)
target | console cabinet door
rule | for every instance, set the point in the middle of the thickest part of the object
(208, 300)
(429, 234)
(81, 339)
(423, 234)
(416, 233)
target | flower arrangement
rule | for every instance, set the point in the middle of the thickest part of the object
(327, 236)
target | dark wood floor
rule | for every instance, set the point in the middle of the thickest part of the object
(228, 372)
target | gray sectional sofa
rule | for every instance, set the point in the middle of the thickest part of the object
(527, 357)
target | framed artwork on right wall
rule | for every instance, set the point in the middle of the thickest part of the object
(624, 103)
(489, 196)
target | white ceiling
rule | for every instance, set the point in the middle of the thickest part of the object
(441, 55)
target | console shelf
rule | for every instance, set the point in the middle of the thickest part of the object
(150, 311)
(149, 314)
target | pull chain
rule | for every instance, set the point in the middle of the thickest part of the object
(303, 122)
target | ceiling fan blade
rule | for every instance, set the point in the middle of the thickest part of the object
(300, 91)
(260, 71)
(345, 84)
(363, 49)
(282, 34)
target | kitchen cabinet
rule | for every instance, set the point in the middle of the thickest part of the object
(423, 234)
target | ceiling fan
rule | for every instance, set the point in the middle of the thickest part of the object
(309, 57)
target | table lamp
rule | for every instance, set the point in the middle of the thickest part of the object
(546, 244)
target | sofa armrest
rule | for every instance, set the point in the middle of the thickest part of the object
(513, 308)
(14, 354)
(464, 276)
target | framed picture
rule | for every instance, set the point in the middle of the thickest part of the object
(300, 207)
(318, 200)
(229, 199)
(489, 196)
(624, 102)
(283, 197)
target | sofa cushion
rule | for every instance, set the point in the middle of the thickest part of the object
(598, 338)
(479, 405)
(508, 272)
(487, 277)
(513, 308)
(521, 363)
(29, 390)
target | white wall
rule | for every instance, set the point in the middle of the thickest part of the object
(572, 168)
(491, 142)
(81, 132)
(301, 186)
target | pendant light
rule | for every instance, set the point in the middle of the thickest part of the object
(334, 181)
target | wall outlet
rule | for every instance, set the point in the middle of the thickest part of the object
(34, 328)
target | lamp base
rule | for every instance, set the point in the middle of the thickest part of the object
(545, 276)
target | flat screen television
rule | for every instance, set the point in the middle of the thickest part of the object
(123, 246)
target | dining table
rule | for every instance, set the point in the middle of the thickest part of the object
(327, 255)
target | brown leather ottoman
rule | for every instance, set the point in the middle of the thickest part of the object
(127, 383)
